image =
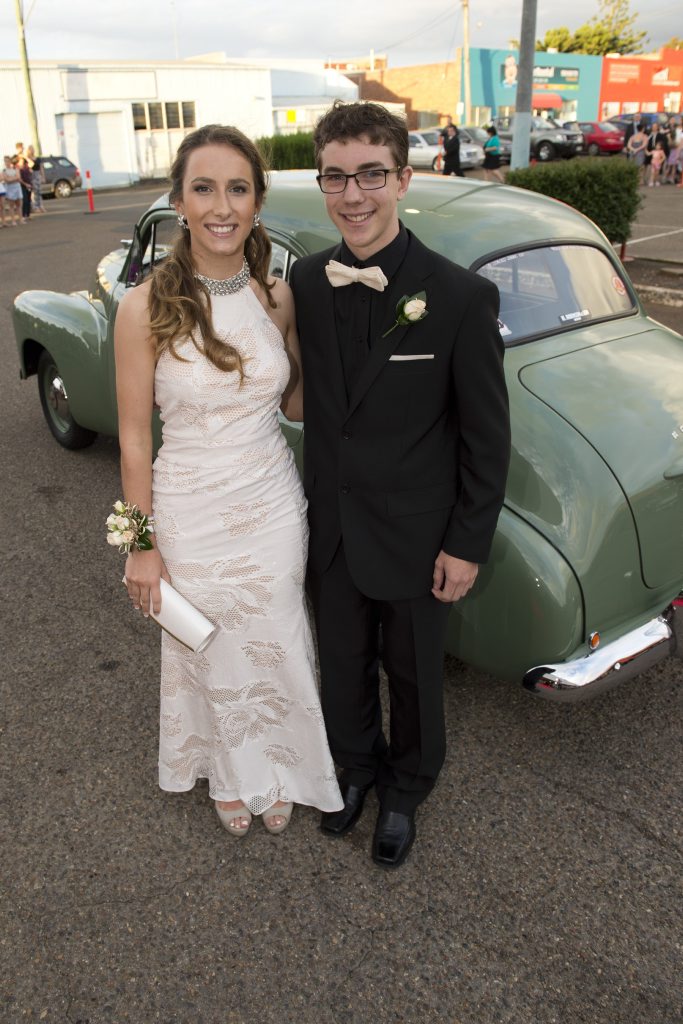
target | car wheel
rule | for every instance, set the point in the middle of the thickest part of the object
(55, 403)
(594, 149)
(545, 151)
(63, 189)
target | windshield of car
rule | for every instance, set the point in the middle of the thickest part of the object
(431, 138)
(555, 288)
(542, 124)
(605, 126)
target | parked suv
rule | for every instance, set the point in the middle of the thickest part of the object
(547, 139)
(652, 117)
(60, 177)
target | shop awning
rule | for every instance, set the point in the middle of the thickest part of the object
(546, 100)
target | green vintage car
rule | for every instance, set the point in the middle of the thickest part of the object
(583, 588)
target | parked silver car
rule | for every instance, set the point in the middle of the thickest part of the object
(475, 133)
(424, 150)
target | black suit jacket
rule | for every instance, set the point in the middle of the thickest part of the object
(416, 459)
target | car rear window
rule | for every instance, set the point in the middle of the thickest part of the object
(552, 289)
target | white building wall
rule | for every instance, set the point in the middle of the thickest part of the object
(85, 111)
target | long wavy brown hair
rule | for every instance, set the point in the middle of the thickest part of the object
(179, 305)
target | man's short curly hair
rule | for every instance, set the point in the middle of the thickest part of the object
(371, 121)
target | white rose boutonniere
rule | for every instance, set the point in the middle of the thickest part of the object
(409, 309)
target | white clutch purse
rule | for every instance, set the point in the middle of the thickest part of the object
(182, 620)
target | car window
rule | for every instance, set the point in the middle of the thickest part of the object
(431, 138)
(605, 127)
(64, 163)
(47, 164)
(554, 288)
(413, 139)
(149, 248)
(278, 261)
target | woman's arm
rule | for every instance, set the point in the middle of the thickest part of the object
(135, 365)
(284, 316)
(292, 404)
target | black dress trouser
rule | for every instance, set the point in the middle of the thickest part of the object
(413, 635)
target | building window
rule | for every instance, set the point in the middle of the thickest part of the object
(139, 117)
(189, 120)
(172, 115)
(156, 115)
(160, 116)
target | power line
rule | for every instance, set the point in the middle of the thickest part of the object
(445, 15)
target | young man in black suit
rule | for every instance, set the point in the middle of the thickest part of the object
(406, 454)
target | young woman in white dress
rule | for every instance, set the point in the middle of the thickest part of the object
(211, 340)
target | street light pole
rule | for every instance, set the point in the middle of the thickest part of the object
(519, 156)
(23, 56)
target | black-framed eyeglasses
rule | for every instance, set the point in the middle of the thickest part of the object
(374, 177)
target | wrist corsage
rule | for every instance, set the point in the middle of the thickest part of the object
(129, 529)
(409, 309)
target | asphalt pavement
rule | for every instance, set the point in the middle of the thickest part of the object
(545, 886)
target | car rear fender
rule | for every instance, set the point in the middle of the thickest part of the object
(526, 600)
(74, 330)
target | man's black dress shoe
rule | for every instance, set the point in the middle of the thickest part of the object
(338, 823)
(394, 835)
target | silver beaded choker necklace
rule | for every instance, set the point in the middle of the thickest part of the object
(228, 286)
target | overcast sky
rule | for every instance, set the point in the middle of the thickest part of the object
(408, 31)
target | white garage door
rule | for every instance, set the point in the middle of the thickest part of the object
(97, 143)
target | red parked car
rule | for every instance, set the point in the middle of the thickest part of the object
(600, 136)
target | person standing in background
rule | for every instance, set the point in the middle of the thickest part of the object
(451, 164)
(36, 165)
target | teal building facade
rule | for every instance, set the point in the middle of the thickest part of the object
(566, 85)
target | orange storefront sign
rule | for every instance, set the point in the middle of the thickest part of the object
(643, 83)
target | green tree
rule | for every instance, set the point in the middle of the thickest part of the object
(673, 44)
(559, 39)
(612, 30)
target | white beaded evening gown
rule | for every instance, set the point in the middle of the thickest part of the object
(231, 527)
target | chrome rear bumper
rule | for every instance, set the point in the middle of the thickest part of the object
(611, 665)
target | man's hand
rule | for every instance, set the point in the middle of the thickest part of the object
(453, 577)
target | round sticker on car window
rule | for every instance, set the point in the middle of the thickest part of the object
(619, 285)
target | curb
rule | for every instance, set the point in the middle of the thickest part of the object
(660, 296)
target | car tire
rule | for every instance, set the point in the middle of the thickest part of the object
(55, 403)
(545, 151)
(435, 164)
(62, 189)
(594, 149)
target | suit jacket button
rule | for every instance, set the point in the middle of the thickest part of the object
(346, 435)
(345, 489)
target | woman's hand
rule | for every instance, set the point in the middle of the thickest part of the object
(144, 569)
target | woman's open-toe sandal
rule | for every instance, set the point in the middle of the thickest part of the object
(284, 813)
(232, 820)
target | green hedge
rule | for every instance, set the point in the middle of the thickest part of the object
(282, 152)
(604, 189)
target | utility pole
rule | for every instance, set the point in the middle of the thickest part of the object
(525, 84)
(466, 58)
(23, 56)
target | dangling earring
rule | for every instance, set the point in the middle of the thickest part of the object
(182, 221)
(257, 220)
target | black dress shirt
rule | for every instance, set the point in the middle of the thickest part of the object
(360, 312)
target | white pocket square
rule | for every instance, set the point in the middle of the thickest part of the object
(404, 359)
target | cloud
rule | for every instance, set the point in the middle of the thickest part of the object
(410, 32)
